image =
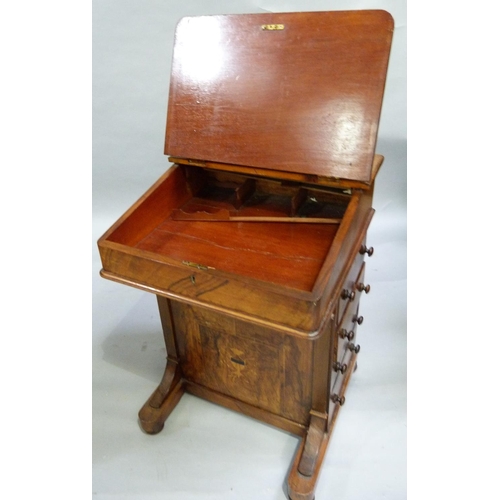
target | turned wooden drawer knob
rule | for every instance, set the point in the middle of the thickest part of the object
(339, 367)
(358, 320)
(346, 294)
(364, 249)
(354, 348)
(336, 399)
(344, 334)
(363, 288)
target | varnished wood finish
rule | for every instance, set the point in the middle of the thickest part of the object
(236, 197)
(312, 444)
(246, 409)
(302, 486)
(165, 309)
(215, 282)
(163, 400)
(259, 313)
(304, 99)
(318, 180)
(289, 255)
(262, 367)
(242, 267)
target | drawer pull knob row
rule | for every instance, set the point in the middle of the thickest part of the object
(358, 320)
(346, 294)
(344, 334)
(339, 367)
(335, 398)
(363, 288)
(354, 348)
(364, 249)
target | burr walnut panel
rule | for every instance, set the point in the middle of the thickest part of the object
(260, 366)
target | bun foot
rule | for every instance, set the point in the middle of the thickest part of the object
(151, 427)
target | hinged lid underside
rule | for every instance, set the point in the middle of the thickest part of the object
(294, 92)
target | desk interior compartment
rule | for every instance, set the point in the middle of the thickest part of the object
(263, 229)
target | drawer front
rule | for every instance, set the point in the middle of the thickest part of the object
(344, 334)
(349, 294)
(341, 355)
(346, 331)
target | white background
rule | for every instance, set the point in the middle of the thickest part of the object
(48, 241)
(204, 451)
(83, 99)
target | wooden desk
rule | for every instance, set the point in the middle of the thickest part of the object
(254, 241)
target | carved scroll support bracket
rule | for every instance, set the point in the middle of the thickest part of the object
(306, 467)
(314, 438)
(158, 407)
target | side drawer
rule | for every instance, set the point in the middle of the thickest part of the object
(349, 294)
(344, 335)
(346, 331)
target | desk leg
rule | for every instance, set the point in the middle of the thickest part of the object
(158, 407)
(161, 403)
(309, 457)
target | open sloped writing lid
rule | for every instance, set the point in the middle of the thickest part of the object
(293, 92)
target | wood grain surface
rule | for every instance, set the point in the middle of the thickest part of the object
(303, 99)
(273, 117)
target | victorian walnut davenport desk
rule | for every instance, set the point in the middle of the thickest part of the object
(254, 240)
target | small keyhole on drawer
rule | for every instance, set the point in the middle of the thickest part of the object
(239, 361)
(193, 279)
